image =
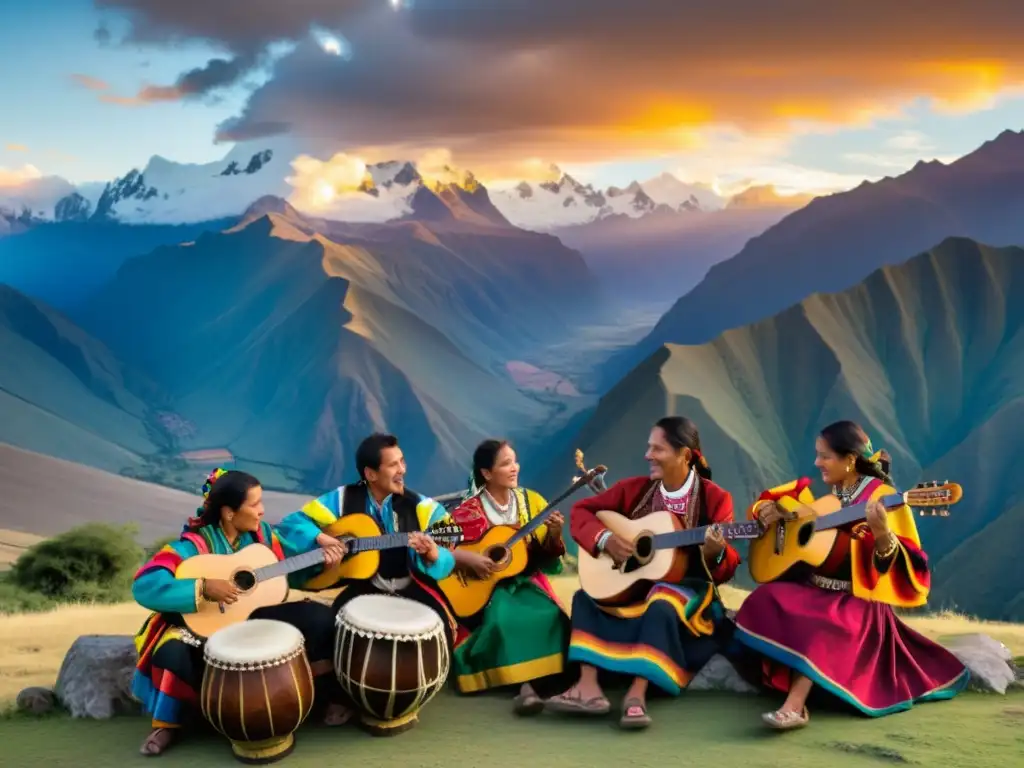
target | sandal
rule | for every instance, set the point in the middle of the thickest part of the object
(572, 703)
(786, 721)
(634, 715)
(158, 741)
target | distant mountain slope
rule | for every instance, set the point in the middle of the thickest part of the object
(928, 356)
(64, 393)
(46, 496)
(286, 347)
(661, 256)
(62, 263)
(838, 240)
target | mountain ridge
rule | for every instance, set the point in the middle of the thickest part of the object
(837, 240)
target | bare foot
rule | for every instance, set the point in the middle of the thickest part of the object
(158, 741)
(337, 714)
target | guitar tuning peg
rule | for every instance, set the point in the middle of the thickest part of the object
(919, 485)
(935, 483)
(945, 482)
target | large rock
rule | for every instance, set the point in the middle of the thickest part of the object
(95, 679)
(720, 675)
(989, 661)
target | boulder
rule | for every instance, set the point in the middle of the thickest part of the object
(95, 679)
(36, 701)
(989, 661)
(720, 675)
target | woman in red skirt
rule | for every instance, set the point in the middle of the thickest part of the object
(834, 626)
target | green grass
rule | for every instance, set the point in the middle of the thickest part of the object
(978, 730)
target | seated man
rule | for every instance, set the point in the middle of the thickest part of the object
(669, 636)
(381, 494)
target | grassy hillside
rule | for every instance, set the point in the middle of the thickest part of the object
(927, 356)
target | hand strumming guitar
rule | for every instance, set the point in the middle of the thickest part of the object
(220, 591)
(618, 548)
(334, 550)
(479, 565)
(424, 546)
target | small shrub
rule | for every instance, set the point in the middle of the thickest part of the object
(93, 562)
(15, 599)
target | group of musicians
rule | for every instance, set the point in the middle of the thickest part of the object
(831, 628)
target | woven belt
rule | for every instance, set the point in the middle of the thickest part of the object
(832, 585)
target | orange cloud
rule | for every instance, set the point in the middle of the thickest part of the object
(16, 148)
(592, 80)
(90, 83)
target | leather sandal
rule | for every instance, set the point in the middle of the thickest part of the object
(574, 704)
(634, 714)
(786, 721)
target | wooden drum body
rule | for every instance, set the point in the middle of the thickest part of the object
(257, 687)
(391, 657)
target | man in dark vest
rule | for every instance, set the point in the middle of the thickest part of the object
(382, 494)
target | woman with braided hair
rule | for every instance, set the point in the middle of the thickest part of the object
(170, 667)
(520, 637)
(834, 626)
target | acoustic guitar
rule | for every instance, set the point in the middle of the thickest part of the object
(660, 554)
(808, 536)
(506, 546)
(261, 578)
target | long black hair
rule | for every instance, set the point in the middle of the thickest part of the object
(484, 457)
(230, 490)
(847, 438)
(681, 432)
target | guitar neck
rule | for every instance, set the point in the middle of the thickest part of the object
(539, 519)
(316, 556)
(855, 513)
(747, 529)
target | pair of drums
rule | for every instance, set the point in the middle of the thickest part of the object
(390, 657)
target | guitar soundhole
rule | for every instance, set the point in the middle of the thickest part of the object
(497, 554)
(244, 580)
(644, 548)
(803, 536)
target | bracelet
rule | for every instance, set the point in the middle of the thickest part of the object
(890, 550)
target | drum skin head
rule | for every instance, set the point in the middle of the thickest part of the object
(389, 615)
(253, 641)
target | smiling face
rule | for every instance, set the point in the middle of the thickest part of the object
(665, 462)
(504, 474)
(835, 469)
(390, 477)
(246, 519)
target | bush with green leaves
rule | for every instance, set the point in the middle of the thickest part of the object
(91, 563)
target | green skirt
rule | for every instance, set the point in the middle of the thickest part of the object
(522, 636)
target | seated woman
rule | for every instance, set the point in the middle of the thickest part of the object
(674, 629)
(521, 636)
(170, 668)
(834, 626)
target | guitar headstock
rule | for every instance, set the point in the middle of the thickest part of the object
(596, 482)
(932, 499)
(448, 535)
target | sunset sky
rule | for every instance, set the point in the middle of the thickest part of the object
(795, 93)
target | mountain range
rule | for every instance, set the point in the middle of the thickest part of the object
(928, 356)
(837, 240)
(282, 340)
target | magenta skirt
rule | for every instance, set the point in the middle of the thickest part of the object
(855, 649)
